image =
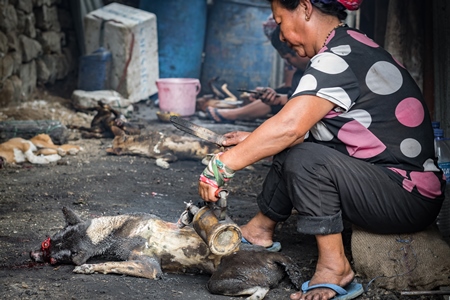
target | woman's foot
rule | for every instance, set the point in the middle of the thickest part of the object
(332, 267)
(259, 230)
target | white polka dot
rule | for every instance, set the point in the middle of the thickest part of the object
(336, 95)
(360, 115)
(329, 63)
(429, 166)
(321, 133)
(307, 83)
(384, 78)
(410, 147)
(342, 50)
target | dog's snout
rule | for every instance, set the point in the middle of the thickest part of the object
(36, 256)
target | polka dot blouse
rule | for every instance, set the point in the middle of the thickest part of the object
(380, 113)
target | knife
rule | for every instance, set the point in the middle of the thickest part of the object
(196, 130)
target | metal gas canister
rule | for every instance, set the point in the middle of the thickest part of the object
(213, 225)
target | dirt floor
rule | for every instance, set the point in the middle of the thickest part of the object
(94, 184)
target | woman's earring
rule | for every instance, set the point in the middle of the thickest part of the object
(306, 17)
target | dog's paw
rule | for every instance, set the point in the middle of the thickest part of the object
(84, 269)
(52, 158)
(61, 152)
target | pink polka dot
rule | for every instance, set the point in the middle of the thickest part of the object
(362, 38)
(332, 114)
(409, 112)
(360, 142)
(427, 183)
(399, 171)
(408, 185)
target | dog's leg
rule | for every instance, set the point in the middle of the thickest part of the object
(47, 151)
(41, 159)
(141, 266)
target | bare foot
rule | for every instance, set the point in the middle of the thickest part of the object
(259, 230)
(324, 293)
(332, 267)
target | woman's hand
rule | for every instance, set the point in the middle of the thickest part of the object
(207, 192)
(214, 176)
(235, 137)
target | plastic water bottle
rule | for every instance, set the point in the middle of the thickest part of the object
(442, 148)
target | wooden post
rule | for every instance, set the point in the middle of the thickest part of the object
(405, 35)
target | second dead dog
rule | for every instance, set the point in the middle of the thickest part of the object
(158, 145)
(104, 121)
(147, 246)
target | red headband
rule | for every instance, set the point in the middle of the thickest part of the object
(351, 4)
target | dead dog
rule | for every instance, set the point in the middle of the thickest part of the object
(103, 122)
(37, 150)
(158, 145)
(148, 246)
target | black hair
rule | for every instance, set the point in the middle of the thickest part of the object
(281, 47)
(333, 8)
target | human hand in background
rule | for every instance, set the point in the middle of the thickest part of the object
(268, 96)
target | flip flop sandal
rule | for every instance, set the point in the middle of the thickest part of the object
(275, 247)
(221, 118)
(350, 291)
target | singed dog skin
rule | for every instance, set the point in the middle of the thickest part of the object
(147, 246)
(158, 145)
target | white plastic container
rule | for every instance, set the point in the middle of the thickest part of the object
(130, 34)
(178, 95)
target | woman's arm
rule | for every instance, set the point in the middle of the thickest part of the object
(287, 128)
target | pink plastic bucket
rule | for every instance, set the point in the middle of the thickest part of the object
(178, 95)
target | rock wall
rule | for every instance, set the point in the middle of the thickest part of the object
(38, 46)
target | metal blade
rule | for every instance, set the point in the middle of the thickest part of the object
(196, 130)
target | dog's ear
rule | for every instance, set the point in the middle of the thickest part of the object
(71, 217)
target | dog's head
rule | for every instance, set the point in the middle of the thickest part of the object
(119, 142)
(126, 144)
(69, 246)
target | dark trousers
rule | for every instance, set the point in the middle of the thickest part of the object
(325, 186)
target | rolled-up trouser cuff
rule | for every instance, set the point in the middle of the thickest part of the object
(320, 225)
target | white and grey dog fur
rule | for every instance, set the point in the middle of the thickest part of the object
(147, 246)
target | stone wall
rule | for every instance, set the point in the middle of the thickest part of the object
(38, 46)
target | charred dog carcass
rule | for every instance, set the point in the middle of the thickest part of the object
(146, 246)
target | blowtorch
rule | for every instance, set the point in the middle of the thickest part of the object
(213, 225)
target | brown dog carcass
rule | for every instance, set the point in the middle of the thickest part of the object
(158, 145)
(37, 150)
(104, 121)
(147, 246)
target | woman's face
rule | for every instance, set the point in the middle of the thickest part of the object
(292, 27)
